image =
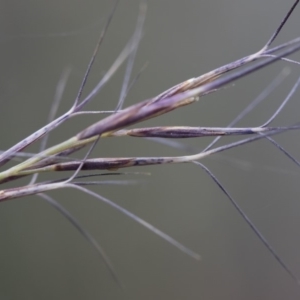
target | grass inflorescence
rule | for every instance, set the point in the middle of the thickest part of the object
(57, 158)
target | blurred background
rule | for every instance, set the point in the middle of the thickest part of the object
(44, 257)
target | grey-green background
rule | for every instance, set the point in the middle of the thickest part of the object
(43, 257)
